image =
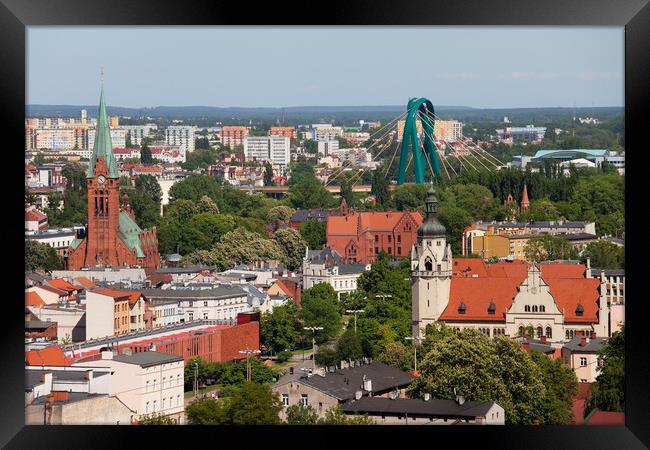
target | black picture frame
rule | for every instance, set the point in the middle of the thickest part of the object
(634, 15)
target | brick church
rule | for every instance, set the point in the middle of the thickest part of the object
(112, 237)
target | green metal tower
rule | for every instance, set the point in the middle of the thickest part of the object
(410, 139)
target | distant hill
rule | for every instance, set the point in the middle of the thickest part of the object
(313, 114)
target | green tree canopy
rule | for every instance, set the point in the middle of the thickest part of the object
(314, 233)
(293, 246)
(301, 415)
(280, 330)
(605, 255)
(549, 248)
(279, 214)
(319, 308)
(608, 393)
(41, 256)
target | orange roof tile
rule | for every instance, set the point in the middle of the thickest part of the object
(120, 295)
(288, 287)
(33, 299)
(49, 356)
(85, 282)
(63, 285)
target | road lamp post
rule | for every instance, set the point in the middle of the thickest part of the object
(248, 352)
(196, 380)
(313, 344)
(415, 350)
(354, 311)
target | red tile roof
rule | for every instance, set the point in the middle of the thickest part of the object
(359, 222)
(85, 282)
(605, 418)
(33, 299)
(49, 356)
(119, 295)
(477, 284)
(34, 215)
(63, 285)
(287, 286)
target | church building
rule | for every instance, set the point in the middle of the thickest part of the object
(112, 236)
(553, 300)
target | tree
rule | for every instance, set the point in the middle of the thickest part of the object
(313, 232)
(604, 255)
(483, 369)
(608, 393)
(207, 205)
(268, 175)
(146, 209)
(149, 186)
(561, 385)
(145, 153)
(319, 308)
(455, 220)
(279, 214)
(549, 248)
(346, 191)
(335, 416)
(398, 355)
(208, 411)
(409, 197)
(293, 245)
(255, 404)
(349, 346)
(301, 415)
(327, 356)
(379, 188)
(308, 193)
(156, 419)
(475, 199)
(194, 187)
(280, 329)
(41, 256)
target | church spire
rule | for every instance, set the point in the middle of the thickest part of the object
(103, 145)
(524, 199)
(431, 227)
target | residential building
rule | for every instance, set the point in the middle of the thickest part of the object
(148, 382)
(613, 283)
(118, 136)
(35, 220)
(70, 319)
(400, 128)
(58, 238)
(274, 149)
(328, 389)
(594, 158)
(114, 238)
(121, 154)
(328, 266)
(528, 133)
(289, 132)
(232, 136)
(110, 312)
(220, 302)
(415, 411)
(326, 132)
(360, 236)
(557, 299)
(355, 137)
(447, 130)
(64, 395)
(325, 147)
(180, 136)
(581, 354)
(137, 133)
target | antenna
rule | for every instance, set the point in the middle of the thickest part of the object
(102, 74)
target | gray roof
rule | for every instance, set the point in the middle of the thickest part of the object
(189, 269)
(593, 345)
(33, 377)
(38, 324)
(37, 277)
(147, 359)
(217, 291)
(608, 272)
(415, 407)
(344, 383)
(346, 269)
(579, 236)
(536, 345)
(615, 240)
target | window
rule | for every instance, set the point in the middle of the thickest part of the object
(147, 410)
(376, 238)
(539, 332)
(205, 303)
(549, 332)
(428, 265)
(154, 406)
(178, 400)
(583, 361)
(304, 399)
(399, 250)
(377, 250)
(542, 308)
(163, 403)
(285, 399)
(527, 308)
(147, 384)
(438, 243)
(390, 251)
(534, 308)
(163, 382)
(399, 238)
(154, 384)
(389, 239)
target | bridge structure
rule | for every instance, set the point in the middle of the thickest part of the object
(280, 190)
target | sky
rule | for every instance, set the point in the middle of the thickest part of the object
(483, 67)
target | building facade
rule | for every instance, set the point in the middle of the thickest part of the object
(180, 136)
(232, 136)
(328, 266)
(268, 148)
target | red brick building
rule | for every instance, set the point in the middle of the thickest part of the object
(231, 136)
(360, 236)
(112, 238)
(289, 132)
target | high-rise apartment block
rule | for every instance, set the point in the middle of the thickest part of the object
(447, 130)
(231, 136)
(268, 148)
(289, 132)
(138, 132)
(181, 136)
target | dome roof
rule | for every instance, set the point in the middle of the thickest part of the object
(431, 227)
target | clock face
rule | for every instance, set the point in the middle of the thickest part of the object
(101, 179)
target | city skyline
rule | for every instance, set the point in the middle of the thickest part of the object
(327, 66)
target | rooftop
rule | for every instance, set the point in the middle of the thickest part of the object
(593, 344)
(147, 359)
(418, 407)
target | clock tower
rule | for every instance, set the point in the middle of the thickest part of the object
(103, 196)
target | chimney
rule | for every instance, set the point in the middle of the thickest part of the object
(427, 397)
(593, 335)
(583, 341)
(44, 376)
(526, 345)
(88, 374)
(543, 339)
(107, 354)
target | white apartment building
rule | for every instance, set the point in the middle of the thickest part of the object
(327, 133)
(209, 302)
(57, 238)
(447, 130)
(325, 147)
(268, 148)
(118, 137)
(327, 266)
(181, 136)
(105, 316)
(147, 382)
(138, 132)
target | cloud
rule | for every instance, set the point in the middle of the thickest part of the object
(528, 75)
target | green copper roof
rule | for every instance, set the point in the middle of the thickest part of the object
(130, 233)
(75, 243)
(103, 145)
(431, 227)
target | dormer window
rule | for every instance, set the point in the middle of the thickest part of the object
(527, 308)
(492, 308)
(462, 308)
(579, 310)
